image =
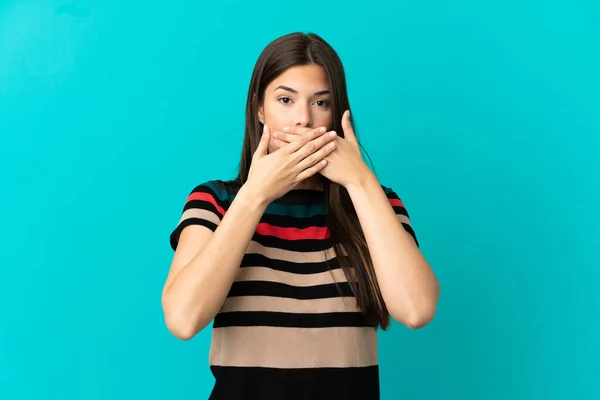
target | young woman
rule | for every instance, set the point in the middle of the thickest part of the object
(301, 258)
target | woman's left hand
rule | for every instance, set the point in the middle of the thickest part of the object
(345, 164)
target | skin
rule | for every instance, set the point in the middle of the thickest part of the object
(205, 263)
(299, 97)
(409, 287)
(408, 284)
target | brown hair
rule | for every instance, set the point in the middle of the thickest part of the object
(346, 234)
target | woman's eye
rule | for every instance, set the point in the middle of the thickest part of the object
(319, 103)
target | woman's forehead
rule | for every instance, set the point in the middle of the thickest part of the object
(305, 78)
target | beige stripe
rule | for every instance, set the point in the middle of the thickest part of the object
(293, 347)
(406, 220)
(403, 218)
(280, 304)
(292, 256)
(200, 213)
(271, 275)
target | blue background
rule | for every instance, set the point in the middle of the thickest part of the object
(483, 116)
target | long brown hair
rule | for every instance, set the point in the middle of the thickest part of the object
(347, 237)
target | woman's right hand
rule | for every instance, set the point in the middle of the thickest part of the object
(273, 175)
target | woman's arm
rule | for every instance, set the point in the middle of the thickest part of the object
(408, 285)
(205, 265)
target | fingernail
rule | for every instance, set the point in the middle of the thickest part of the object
(322, 129)
(332, 134)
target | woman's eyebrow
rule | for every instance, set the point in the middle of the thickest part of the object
(289, 89)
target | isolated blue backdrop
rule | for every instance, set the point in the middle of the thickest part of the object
(484, 116)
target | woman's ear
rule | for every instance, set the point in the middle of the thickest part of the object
(261, 115)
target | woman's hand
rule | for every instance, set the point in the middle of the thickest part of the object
(273, 175)
(345, 165)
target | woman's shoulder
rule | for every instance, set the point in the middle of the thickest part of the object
(220, 189)
(387, 189)
(392, 194)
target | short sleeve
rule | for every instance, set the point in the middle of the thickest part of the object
(204, 206)
(401, 211)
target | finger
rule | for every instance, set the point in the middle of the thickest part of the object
(297, 130)
(315, 144)
(305, 139)
(263, 145)
(328, 137)
(347, 127)
(279, 143)
(307, 173)
(316, 156)
(285, 137)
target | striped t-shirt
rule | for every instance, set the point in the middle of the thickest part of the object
(290, 327)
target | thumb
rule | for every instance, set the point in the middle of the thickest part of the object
(347, 127)
(263, 145)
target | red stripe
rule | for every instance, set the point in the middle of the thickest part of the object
(312, 232)
(396, 203)
(208, 198)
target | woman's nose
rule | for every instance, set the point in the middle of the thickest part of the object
(304, 117)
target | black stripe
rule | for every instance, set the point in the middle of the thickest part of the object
(202, 205)
(174, 237)
(400, 210)
(287, 221)
(276, 289)
(290, 320)
(302, 245)
(208, 190)
(232, 187)
(259, 260)
(410, 230)
(301, 197)
(197, 221)
(360, 383)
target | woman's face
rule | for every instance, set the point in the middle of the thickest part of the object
(298, 97)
